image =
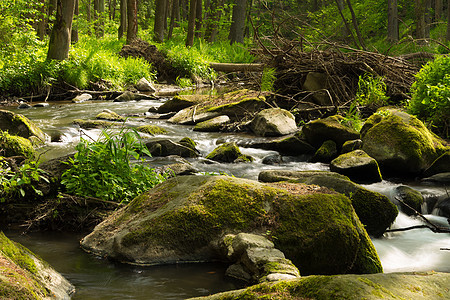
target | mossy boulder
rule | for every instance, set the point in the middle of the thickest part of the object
(228, 153)
(12, 145)
(326, 152)
(332, 128)
(23, 275)
(273, 122)
(185, 218)
(408, 199)
(191, 116)
(166, 147)
(178, 103)
(358, 166)
(109, 115)
(89, 124)
(374, 210)
(212, 125)
(151, 129)
(400, 143)
(20, 125)
(294, 145)
(440, 165)
(350, 146)
(427, 285)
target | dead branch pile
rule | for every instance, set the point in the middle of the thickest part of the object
(343, 69)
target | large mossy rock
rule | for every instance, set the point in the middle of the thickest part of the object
(273, 122)
(212, 125)
(332, 128)
(358, 166)
(326, 152)
(20, 125)
(440, 165)
(109, 115)
(294, 145)
(178, 103)
(23, 275)
(400, 143)
(374, 210)
(428, 286)
(408, 199)
(185, 218)
(166, 147)
(12, 145)
(227, 153)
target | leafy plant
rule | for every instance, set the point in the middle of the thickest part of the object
(352, 117)
(102, 168)
(371, 91)
(18, 183)
(183, 82)
(268, 79)
(430, 99)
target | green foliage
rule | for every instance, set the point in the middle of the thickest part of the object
(268, 79)
(371, 91)
(183, 82)
(430, 99)
(352, 117)
(102, 168)
(19, 183)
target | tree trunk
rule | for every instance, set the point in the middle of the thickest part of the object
(42, 24)
(355, 25)
(132, 20)
(58, 47)
(88, 14)
(213, 20)
(421, 19)
(160, 13)
(448, 24)
(74, 35)
(393, 34)
(340, 6)
(174, 18)
(123, 18)
(238, 22)
(438, 9)
(198, 18)
(191, 23)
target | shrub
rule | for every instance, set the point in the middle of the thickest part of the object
(102, 168)
(430, 99)
(371, 91)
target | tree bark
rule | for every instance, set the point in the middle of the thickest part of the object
(174, 17)
(191, 23)
(213, 20)
(42, 24)
(59, 44)
(88, 14)
(448, 24)
(438, 9)
(160, 14)
(123, 18)
(132, 27)
(340, 6)
(198, 18)
(238, 22)
(421, 19)
(74, 35)
(393, 34)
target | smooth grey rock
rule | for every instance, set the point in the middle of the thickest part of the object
(212, 125)
(82, 98)
(273, 122)
(144, 85)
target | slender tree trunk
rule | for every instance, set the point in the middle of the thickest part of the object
(167, 14)
(393, 34)
(59, 44)
(438, 9)
(448, 24)
(213, 20)
(191, 23)
(173, 18)
(184, 5)
(198, 18)
(340, 6)
(421, 19)
(132, 27)
(160, 13)
(238, 22)
(123, 18)
(355, 25)
(42, 24)
(76, 12)
(88, 14)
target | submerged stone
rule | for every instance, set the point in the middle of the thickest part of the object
(109, 115)
(185, 218)
(151, 129)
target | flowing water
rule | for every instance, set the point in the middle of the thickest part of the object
(94, 278)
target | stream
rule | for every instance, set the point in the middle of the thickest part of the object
(95, 278)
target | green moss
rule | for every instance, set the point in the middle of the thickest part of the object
(88, 124)
(188, 142)
(227, 152)
(12, 145)
(151, 129)
(17, 253)
(110, 116)
(326, 152)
